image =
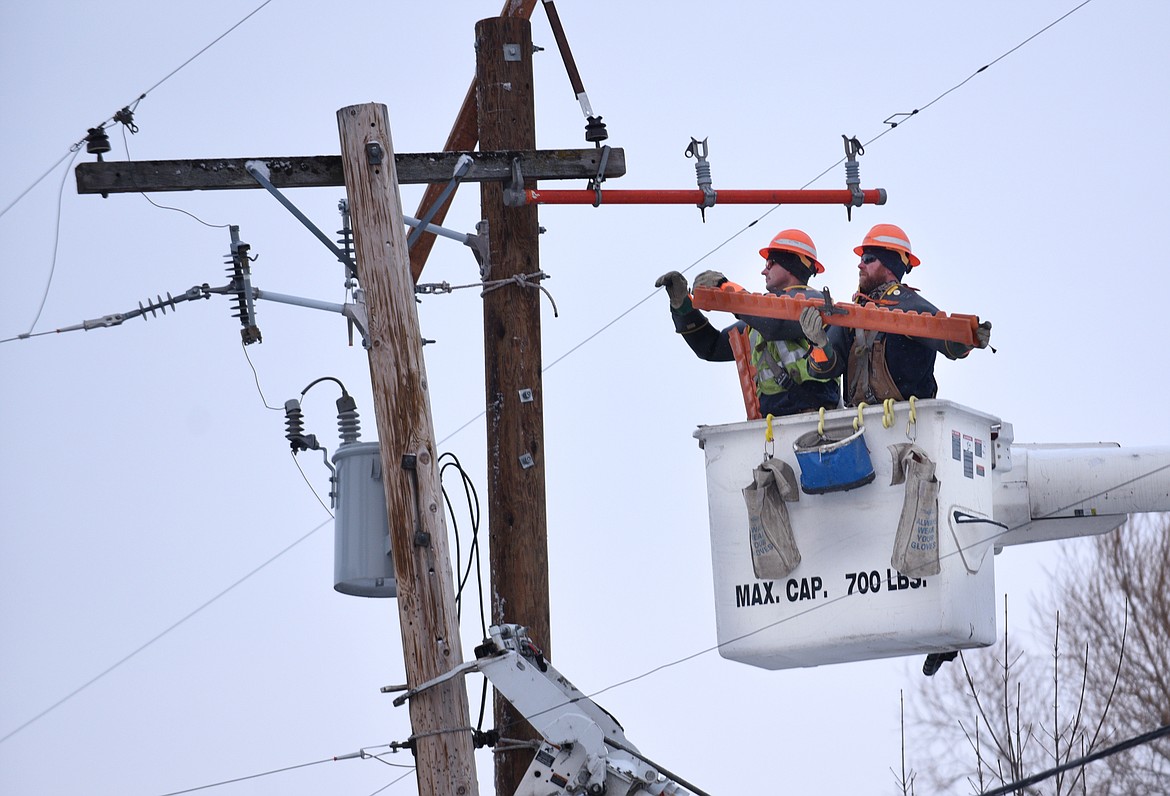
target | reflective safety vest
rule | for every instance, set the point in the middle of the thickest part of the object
(779, 364)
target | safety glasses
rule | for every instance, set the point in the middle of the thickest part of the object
(870, 258)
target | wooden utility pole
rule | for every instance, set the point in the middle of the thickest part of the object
(511, 329)
(444, 755)
(462, 137)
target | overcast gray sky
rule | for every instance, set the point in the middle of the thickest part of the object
(143, 475)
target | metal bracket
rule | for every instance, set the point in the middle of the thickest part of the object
(259, 171)
(698, 150)
(462, 167)
(410, 464)
(514, 193)
(595, 182)
(829, 308)
(853, 148)
(356, 314)
(512, 52)
(480, 245)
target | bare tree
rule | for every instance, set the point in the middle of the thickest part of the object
(1128, 573)
(1004, 713)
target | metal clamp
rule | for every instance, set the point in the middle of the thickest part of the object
(853, 148)
(514, 193)
(698, 150)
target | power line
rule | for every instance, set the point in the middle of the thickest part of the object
(56, 241)
(831, 601)
(77, 146)
(1137, 740)
(126, 658)
(771, 210)
(252, 776)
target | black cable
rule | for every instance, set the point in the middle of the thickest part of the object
(1137, 740)
(473, 557)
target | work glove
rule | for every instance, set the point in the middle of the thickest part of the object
(983, 335)
(676, 287)
(710, 279)
(813, 327)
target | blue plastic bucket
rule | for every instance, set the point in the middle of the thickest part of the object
(830, 463)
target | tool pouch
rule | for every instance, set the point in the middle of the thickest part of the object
(774, 552)
(916, 544)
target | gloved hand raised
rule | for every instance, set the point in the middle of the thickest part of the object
(710, 279)
(813, 327)
(676, 287)
(983, 335)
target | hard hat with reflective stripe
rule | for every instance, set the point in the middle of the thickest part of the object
(888, 236)
(797, 242)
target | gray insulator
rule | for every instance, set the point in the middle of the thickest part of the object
(703, 173)
(348, 424)
(294, 422)
(852, 173)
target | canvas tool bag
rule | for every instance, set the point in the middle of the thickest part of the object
(774, 552)
(916, 544)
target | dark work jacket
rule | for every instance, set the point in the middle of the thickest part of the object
(910, 360)
(714, 346)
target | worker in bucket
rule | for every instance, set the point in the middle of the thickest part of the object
(779, 350)
(882, 365)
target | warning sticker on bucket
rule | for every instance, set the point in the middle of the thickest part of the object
(966, 448)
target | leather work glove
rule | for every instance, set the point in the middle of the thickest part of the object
(710, 279)
(983, 335)
(813, 327)
(676, 287)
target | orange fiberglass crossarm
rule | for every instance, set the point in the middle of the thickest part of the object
(956, 328)
(873, 196)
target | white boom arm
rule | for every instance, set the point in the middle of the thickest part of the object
(585, 750)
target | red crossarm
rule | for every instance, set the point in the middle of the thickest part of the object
(956, 328)
(872, 196)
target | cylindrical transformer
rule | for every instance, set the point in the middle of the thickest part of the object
(363, 564)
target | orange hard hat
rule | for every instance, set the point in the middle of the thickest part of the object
(797, 242)
(888, 236)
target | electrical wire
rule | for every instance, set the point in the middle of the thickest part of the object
(833, 600)
(250, 776)
(1137, 740)
(1111, 750)
(363, 754)
(126, 144)
(391, 782)
(256, 378)
(473, 557)
(76, 147)
(174, 626)
(56, 242)
(772, 209)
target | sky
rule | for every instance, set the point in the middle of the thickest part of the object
(149, 640)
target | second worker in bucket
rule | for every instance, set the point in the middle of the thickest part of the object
(779, 349)
(881, 365)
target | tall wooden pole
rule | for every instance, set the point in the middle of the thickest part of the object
(511, 330)
(444, 755)
(462, 137)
